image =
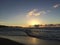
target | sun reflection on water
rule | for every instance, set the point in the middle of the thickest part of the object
(34, 40)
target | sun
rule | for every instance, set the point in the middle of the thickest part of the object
(34, 22)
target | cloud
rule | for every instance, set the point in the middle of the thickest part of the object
(56, 6)
(35, 12)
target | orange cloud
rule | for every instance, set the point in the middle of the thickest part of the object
(35, 12)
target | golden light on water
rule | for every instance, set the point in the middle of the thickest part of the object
(34, 40)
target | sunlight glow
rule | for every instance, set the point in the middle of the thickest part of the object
(34, 22)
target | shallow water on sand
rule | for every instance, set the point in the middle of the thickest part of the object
(31, 40)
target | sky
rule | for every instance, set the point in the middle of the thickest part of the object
(29, 12)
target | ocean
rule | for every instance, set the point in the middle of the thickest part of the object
(22, 37)
(31, 40)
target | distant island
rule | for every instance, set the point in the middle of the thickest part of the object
(36, 26)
